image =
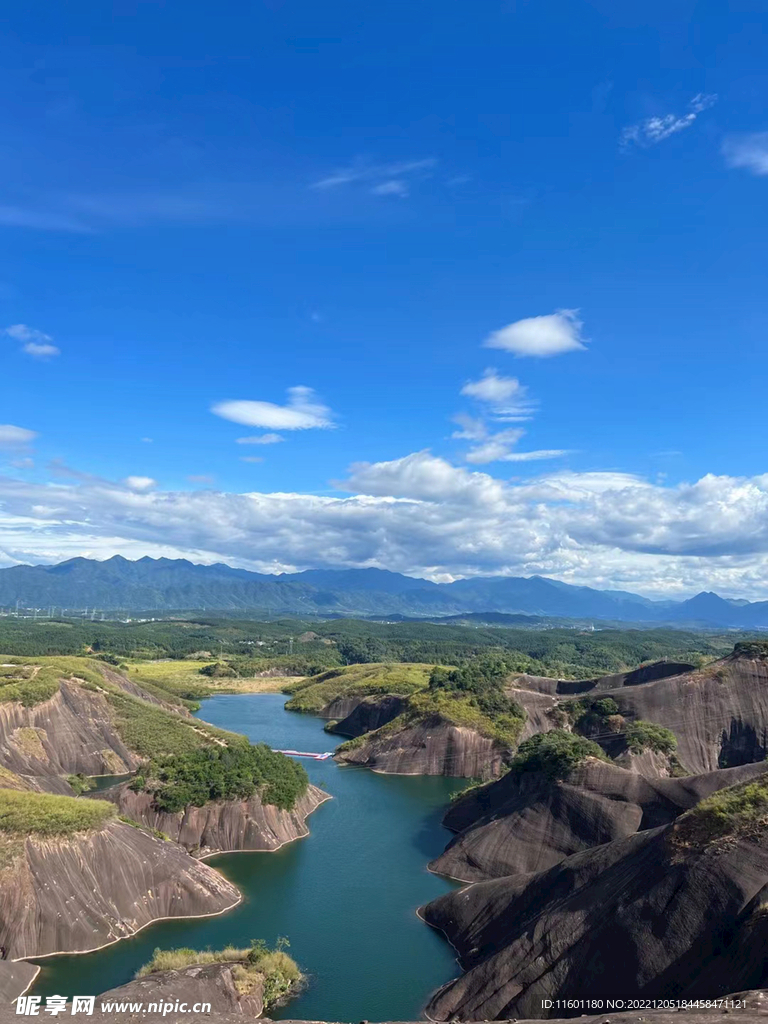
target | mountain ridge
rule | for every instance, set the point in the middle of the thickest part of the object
(166, 584)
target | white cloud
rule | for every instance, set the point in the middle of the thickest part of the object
(506, 396)
(393, 179)
(423, 516)
(494, 447)
(540, 336)
(535, 456)
(261, 439)
(200, 478)
(302, 412)
(140, 483)
(472, 428)
(251, 458)
(35, 343)
(15, 437)
(392, 187)
(748, 151)
(656, 129)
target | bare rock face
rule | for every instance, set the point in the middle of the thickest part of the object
(719, 713)
(341, 707)
(537, 707)
(574, 687)
(635, 917)
(15, 978)
(85, 891)
(527, 822)
(432, 747)
(70, 733)
(201, 983)
(369, 714)
(221, 826)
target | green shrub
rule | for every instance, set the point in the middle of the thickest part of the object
(555, 753)
(273, 969)
(643, 735)
(218, 670)
(80, 783)
(226, 773)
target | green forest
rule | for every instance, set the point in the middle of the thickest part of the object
(298, 647)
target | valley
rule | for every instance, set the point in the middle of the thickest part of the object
(607, 827)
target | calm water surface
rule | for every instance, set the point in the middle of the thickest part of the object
(345, 896)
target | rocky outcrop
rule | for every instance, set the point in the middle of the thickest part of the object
(215, 984)
(539, 710)
(527, 822)
(221, 826)
(719, 714)
(573, 687)
(640, 916)
(85, 891)
(370, 713)
(340, 707)
(433, 746)
(15, 978)
(70, 733)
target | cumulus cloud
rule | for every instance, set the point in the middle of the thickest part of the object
(506, 396)
(303, 411)
(35, 343)
(422, 515)
(540, 336)
(749, 152)
(15, 437)
(261, 439)
(656, 129)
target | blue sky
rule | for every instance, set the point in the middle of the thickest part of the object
(547, 219)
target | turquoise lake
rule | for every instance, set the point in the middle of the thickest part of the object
(345, 896)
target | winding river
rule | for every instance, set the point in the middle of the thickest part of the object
(345, 896)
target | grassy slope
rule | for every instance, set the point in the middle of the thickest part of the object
(44, 814)
(737, 811)
(313, 694)
(156, 734)
(182, 680)
(447, 707)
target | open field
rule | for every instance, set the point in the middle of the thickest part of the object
(183, 679)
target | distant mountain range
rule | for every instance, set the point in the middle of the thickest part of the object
(164, 585)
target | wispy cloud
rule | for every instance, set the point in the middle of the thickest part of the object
(34, 343)
(200, 478)
(15, 437)
(261, 439)
(655, 129)
(303, 411)
(749, 152)
(500, 447)
(395, 179)
(540, 336)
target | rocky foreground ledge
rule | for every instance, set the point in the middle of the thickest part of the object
(757, 1010)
